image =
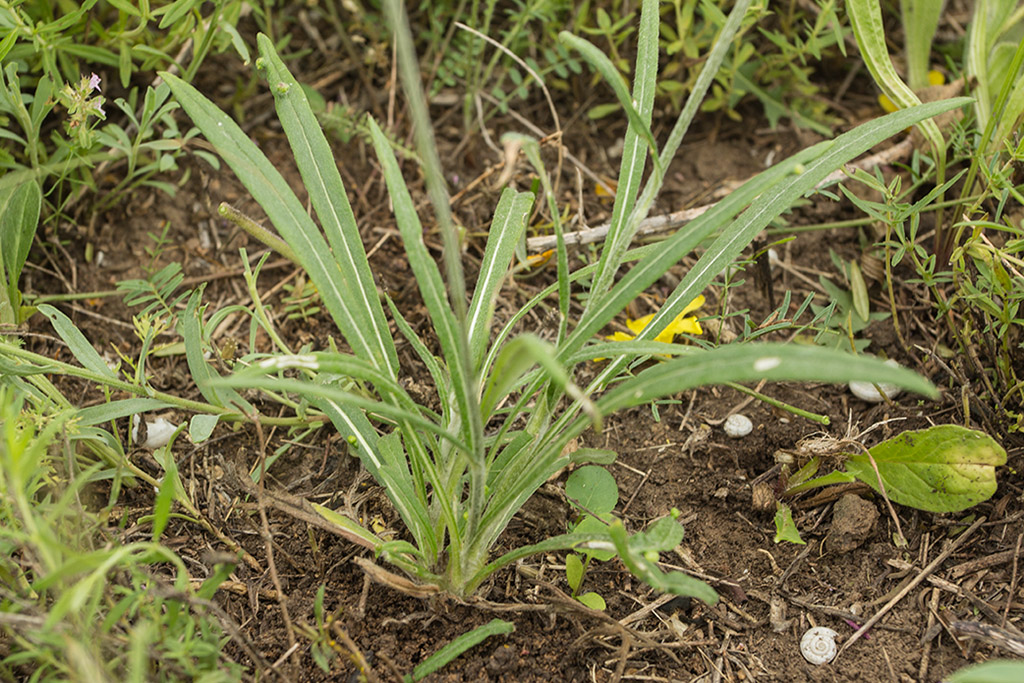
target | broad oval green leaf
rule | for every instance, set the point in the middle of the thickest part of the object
(593, 601)
(946, 468)
(593, 488)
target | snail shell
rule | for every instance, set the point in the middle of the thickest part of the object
(737, 426)
(866, 391)
(818, 645)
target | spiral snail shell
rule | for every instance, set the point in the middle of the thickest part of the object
(818, 645)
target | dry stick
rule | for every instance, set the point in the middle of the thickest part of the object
(364, 666)
(268, 538)
(674, 220)
(933, 608)
(1013, 583)
(983, 563)
(959, 591)
(993, 635)
(932, 566)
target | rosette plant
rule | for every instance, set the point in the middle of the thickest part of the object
(508, 404)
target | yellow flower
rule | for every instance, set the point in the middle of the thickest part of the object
(681, 325)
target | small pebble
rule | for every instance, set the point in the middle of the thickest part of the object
(737, 426)
(866, 391)
(158, 434)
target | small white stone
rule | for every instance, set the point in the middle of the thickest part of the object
(737, 426)
(866, 391)
(818, 646)
(158, 433)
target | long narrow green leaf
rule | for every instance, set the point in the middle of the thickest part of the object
(19, 217)
(782, 185)
(634, 150)
(326, 191)
(866, 22)
(518, 356)
(202, 373)
(399, 485)
(451, 336)
(505, 232)
(597, 58)
(749, 362)
(105, 412)
(269, 188)
(80, 347)
(920, 19)
(317, 391)
(458, 646)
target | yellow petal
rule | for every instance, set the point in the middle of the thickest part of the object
(637, 326)
(619, 336)
(886, 103)
(936, 77)
(693, 305)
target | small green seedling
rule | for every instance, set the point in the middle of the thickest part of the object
(785, 527)
(849, 314)
(593, 491)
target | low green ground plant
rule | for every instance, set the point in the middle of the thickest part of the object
(774, 58)
(75, 601)
(506, 406)
(56, 124)
(972, 272)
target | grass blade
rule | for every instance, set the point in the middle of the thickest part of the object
(461, 644)
(450, 334)
(634, 151)
(780, 185)
(749, 362)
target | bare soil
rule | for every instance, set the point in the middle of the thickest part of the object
(677, 458)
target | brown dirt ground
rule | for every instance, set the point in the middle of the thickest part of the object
(682, 459)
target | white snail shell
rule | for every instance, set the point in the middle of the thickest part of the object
(818, 646)
(737, 426)
(866, 391)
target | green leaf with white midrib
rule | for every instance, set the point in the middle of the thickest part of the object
(269, 188)
(635, 149)
(351, 421)
(600, 61)
(505, 232)
(327, 193)
(729, 245)
(820, 160)
(747, 362)
(428, 277)
(866, 22)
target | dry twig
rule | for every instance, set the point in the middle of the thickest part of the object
(932, 566)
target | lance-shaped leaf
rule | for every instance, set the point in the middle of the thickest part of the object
(286, 212)
(503, 236)
(326, 191)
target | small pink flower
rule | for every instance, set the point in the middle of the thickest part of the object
(94, 82)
